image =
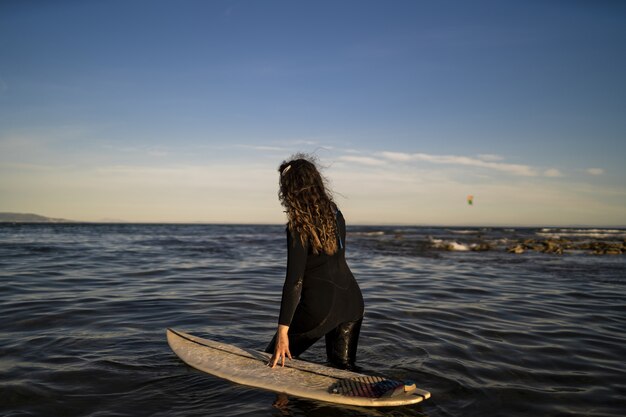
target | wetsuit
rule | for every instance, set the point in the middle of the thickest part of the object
(321, 298)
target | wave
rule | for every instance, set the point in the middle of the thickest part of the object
(590, 233)
(466, 232)
(451, 245)
(376, 233)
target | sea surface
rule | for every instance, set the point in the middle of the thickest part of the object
(84, 308)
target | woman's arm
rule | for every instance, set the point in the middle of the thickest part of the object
(296, 264)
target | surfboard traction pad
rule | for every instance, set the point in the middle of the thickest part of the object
(370, 387)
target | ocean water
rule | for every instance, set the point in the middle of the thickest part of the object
(84, 308)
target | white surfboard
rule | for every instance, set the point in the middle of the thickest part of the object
(298, 378)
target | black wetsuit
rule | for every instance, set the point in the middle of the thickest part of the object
(321, 298)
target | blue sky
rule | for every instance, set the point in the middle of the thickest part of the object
(182, 110)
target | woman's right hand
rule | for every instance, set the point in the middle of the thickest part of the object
(281, 350)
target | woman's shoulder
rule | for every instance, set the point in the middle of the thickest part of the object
(338, 212)
(294, 236)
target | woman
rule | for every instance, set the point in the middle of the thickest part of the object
(320, 295)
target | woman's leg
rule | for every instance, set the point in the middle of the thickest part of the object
(341, 344)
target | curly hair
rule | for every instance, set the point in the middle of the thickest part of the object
(309, 206)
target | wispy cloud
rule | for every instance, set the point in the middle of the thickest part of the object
(214, 176)
(490, 157)
(264, 148)
(143, 150)
(553, 173)
(488, 163)
(595, 171)
(363, 160)
(286, 145)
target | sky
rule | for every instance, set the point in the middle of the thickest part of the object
(182, 111)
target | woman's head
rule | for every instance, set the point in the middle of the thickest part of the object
(310, 209)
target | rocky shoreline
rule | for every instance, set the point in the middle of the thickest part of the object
(560, 246)
(556, 246)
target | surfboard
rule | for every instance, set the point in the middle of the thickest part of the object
(298, 378)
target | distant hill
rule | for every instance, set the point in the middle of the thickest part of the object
(29, 218)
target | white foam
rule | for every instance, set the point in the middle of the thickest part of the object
(449, 245)
(378, 233)
(551, 235)
(457, 246)
(590, 233)
(465, 232)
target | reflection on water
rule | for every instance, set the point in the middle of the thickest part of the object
(85, 309)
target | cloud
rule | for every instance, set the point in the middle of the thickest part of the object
(264, 148)
(158, 152)
(514, 169)
(364, 160)
(595, 171)
(286, 145)
(214, 176)
(490, 157)
(552, 172)
(397, 156)
(139, 150)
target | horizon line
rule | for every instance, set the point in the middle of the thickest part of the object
(423, 225)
